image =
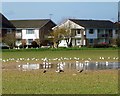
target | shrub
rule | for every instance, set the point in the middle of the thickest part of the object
(34, 44)
(103, 45)
(118, 42)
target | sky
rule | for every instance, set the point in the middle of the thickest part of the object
(59, 11)
(60, 0)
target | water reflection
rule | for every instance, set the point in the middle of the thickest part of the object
(77, 65)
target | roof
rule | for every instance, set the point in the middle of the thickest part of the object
(5, 23)
(117, 24)
(37, 23)
(94, 23)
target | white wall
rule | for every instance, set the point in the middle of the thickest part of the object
(30, 36)
(91, 36)
(63, 44)
(114, 35)
(69, 24)
(18, 43)
(84, 42)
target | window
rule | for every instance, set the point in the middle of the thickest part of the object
(78, 31)
(30, 31)
(98, 31)
(30, 41)
(90, 40)
(19, 30)
(91, 31)
(116, 32)
(9, 31)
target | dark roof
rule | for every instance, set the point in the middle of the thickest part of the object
(94, 23)
(117, 24)
(37, 23)
(5, 23)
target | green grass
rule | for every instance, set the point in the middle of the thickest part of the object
(93, 54)
(69, 82)
(36, 82)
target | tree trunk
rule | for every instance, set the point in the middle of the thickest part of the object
(55, 45)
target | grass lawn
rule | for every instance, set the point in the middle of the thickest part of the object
(69, 82)
(93, 54)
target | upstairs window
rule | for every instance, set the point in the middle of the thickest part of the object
(9, 31)
(19, 30)
(91, 31)
(30, 31)
(116, 32)
(78, 31)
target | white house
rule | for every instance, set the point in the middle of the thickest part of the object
(90, 32)
(28, 31)
(28, 35)
(77, 34)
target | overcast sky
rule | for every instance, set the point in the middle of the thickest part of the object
(58, 11)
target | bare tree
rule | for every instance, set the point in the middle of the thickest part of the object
(57, 36)
(62, 32)
(67, 34)
(23, 43)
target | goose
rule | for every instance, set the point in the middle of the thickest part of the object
(45, 71)
(58, 71)
(79, 71)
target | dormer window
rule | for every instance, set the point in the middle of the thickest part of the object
(91, 31)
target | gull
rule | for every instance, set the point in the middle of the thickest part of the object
(77, 63)
(19, 66)
(96, 63)
(28, 59)
(114, 58)
(89, 58)
(107, 63)
(17, 61)
(103, 58)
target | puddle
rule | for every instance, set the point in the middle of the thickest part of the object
(77, 65)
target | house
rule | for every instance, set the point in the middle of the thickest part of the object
(117, 24)
(77, 37)
(90, 32)
(28, 31)
(5, 26)
(119, 11)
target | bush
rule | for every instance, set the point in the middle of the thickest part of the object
(118, 42)
(34, 44)
(101, 46)
(22, 46)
